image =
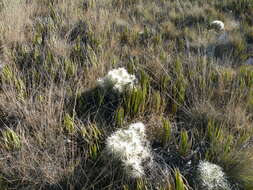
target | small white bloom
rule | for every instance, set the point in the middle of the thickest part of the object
(211, 176)
(131, 148)
(217, 24)
(118, 79)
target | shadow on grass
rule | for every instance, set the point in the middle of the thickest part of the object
(92, 175)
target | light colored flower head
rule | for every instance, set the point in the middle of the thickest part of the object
(133, 167)
(218, 25)
(118, 79)
(131, 148)
(211, 176)
(139, 128)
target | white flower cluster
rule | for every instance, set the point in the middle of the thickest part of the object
(211, 176)
(118, 79)
(131, 148)
(217, 24)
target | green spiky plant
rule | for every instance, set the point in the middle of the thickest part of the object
(179, 181)
(185, 143)
(69, 124)
(11, 139)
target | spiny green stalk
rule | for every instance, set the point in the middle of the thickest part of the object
(180, 185)
(166, 131)
(185, 143)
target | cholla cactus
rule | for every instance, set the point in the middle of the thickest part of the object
(118, 79)
(131, 147)
(211, 177)
(218, 25)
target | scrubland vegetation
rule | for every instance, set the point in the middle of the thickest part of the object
(193, 93)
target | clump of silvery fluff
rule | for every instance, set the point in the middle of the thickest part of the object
(118, 80)
(131, 148)
(218, 25)
(211, 177)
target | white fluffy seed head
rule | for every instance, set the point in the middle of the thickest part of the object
(117, 79)
(133, 167)
(131, 148)
(217, 24)
(139, 128)
(211, 176)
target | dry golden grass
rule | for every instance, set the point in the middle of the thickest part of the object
(193, 94)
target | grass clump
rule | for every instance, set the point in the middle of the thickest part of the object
(75, 74)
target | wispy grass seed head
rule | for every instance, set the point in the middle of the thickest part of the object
(211, 177)
(117, 79)
(130, 146)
